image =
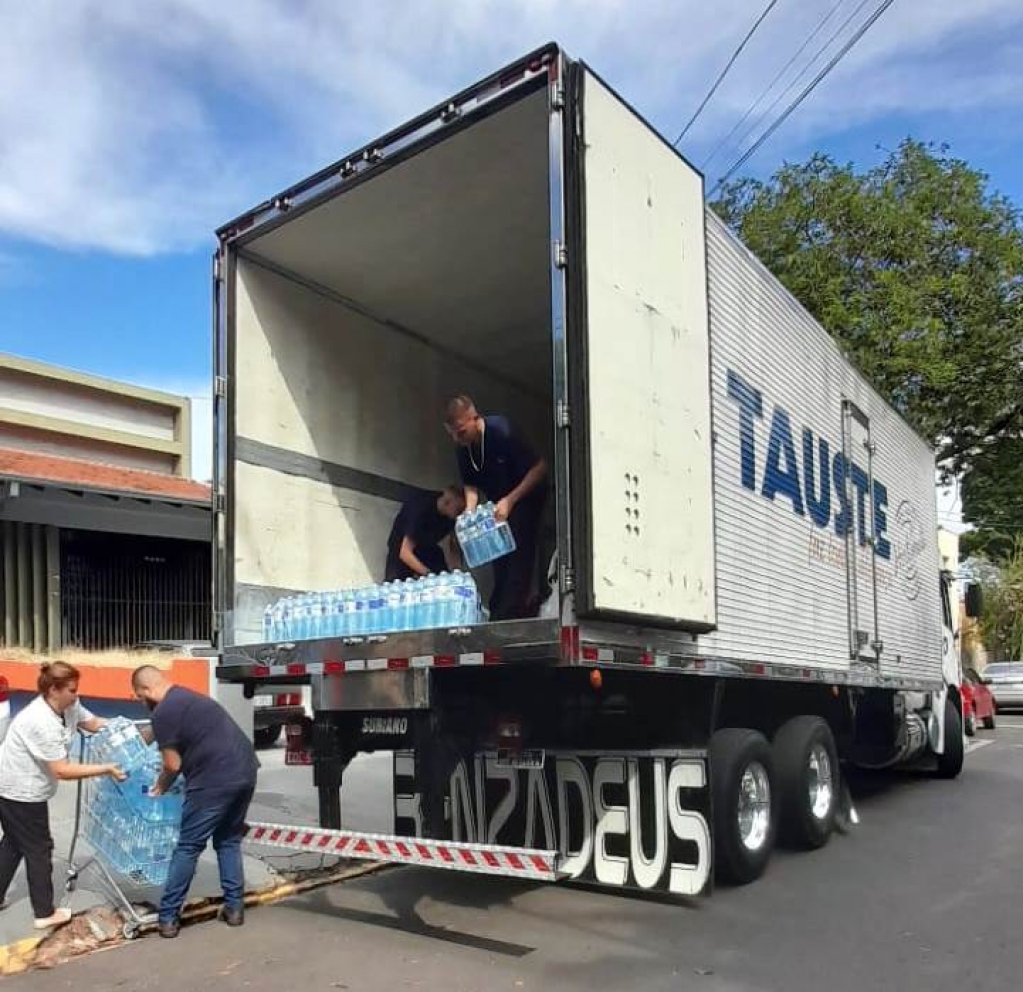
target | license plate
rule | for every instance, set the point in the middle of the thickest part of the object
(263, 700)
(520, 759)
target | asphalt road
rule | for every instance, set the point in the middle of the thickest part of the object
(924, 894)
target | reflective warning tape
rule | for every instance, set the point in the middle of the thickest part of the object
(484, 859)
(343, 667)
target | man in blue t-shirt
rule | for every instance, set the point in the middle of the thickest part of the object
(198, 739)
(494, 458)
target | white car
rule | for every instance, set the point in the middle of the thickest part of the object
(1005, 680)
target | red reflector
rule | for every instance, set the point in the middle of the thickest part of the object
(296, 669)
(4, 689)
(397, 664)
(590, 654)
(444, 661)
(758, 669)
(491, 657)
(647, 659)
(333, 668)
(295, 699)
(260, 671)
(281, 699)
(569, 643)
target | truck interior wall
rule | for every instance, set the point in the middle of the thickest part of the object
(354, 328)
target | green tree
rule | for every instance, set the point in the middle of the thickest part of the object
(1001, 621)
(916, 267)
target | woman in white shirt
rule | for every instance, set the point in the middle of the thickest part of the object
(35, 756)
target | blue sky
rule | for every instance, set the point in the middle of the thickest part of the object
(131, 131)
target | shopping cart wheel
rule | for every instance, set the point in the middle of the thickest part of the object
(130, 931)
(71, 883)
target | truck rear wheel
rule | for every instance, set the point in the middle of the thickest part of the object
(264, 737)
(742, 780)
(950, 764)
(807, 770)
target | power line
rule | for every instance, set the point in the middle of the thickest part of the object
(770, 86)
(724, 72)
(799, 75)
(807, 90)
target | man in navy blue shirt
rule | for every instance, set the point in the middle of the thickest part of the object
(423, 522)
(198, 739)
(495, 459)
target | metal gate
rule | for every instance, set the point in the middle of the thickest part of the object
(120, 590)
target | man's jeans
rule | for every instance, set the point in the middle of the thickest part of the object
(219, 814)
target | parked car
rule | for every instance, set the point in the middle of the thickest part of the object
(271, 711)
(1005, 680)
(978, 703)
(5, 707)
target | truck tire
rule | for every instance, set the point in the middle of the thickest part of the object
(808, 776)
(950, 764)
(264, 737)
(989, 722)
(743, 797)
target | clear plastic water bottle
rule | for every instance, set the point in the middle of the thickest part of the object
(268, 624)
(375, 620)
(359, 612)
(409, 601)
(287, 630)
(392, 606)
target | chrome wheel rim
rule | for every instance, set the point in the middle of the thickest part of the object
(754, 812)
(820, 782)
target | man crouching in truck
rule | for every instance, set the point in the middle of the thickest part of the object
(495, 459)
(198, 738)
(423, 522)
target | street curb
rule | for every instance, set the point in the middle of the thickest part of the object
(22, 955)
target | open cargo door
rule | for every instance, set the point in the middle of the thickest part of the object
(640, 367)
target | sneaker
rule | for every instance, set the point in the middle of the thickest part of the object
(58, 918)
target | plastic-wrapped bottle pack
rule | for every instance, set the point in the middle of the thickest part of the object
(132, 831)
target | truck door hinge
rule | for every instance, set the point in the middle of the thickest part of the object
(220, 386)
(218, 620)
(564, 417)
(560, 255)
(219, 503)
(557, 96)
(567, 578)
(218, 267)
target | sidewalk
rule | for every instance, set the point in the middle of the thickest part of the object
(283, 795)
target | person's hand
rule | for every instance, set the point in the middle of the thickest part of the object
(503, 509)
(117, 773)
(155, 791)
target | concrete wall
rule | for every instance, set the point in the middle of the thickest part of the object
(57, 411)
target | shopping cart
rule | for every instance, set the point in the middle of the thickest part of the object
(131, 833)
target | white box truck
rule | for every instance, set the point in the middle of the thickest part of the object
(747, 595)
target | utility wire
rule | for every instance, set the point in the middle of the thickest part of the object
(724, 72)
(802, 72)
(770, 86)
(788, 111)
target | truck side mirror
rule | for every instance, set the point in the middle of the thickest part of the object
(974, 600)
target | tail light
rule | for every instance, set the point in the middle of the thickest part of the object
(288, 699)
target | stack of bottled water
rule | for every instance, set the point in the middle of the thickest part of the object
(449, 599)
(482, 538)
(131, 830)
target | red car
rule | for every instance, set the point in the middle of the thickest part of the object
(978, 703)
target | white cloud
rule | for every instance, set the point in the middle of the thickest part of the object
(139, 128)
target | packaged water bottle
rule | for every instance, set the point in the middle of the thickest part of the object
(427, 601)
(287, 631)
(393, 606)
(268, 624)
(344, 621)
(375, 620)
(360, 611)
(409, 599)
(463, 534)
